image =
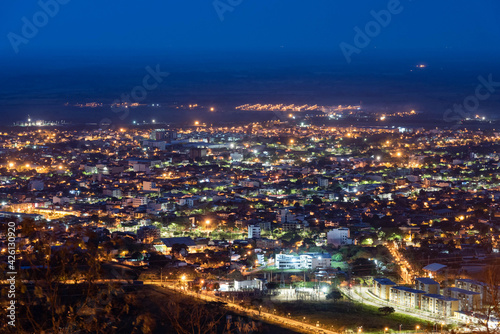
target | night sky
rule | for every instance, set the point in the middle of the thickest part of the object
(108, 28)
(230, 52)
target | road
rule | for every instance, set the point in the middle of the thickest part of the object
(262, 315)
(407, 272)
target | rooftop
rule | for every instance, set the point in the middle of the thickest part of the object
(440, 297)
(434, 267)
(426, 280)
(384, 281)
(407, 289)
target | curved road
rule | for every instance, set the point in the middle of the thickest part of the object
(269, 317)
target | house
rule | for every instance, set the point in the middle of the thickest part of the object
(36, 185)
(167, 244)
(255, 284)
(148, 233)
(434, 269)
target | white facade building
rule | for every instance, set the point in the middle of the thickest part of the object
(253, 231)
(286, 261)
(339, 237)
(304, 261)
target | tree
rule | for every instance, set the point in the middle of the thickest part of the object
(189, 316)
(363, 267)
(337, 257)
(491, 308)
(272, 285)
(335, 295)
(54, 306)
(386, 310)
(177, 248)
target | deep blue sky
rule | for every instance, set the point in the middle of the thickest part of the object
(452, 28)
(264, 51)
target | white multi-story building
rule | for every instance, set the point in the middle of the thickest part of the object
(321, 262)
(472, 285)
(286, 261)
(304, 261)
(323, 182)
(253, 231)
(339, 237)
(405, 296)
(469, 300)
(248, 285)
(439, 304)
